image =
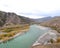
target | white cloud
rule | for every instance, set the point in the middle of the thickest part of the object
(29, 6)
(33, 16)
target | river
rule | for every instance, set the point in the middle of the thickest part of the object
(26, 40)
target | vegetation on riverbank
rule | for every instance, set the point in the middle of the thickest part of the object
(57, 40)
(10, 31)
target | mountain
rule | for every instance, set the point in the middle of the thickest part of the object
(42, 19)
(54, 23)
(8, 18)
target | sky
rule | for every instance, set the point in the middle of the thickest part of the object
(31, 8)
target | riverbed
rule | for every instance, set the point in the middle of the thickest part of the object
(26, 40)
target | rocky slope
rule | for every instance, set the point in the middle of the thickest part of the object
(8, 18)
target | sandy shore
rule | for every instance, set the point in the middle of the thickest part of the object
(42, 27)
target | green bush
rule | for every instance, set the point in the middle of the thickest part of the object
(8, 30)
(51, 40)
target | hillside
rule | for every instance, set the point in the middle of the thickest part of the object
(54, 23)
(8, 18)
(12, 25)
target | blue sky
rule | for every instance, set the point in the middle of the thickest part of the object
(31, 8)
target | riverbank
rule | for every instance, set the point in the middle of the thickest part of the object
(18, 34)
(42, 27)
(43, 39)
(50, 30)
(55, 45)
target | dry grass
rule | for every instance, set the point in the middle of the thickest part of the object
(11, 31)
(15, 28)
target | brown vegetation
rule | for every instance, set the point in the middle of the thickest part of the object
(11, 31)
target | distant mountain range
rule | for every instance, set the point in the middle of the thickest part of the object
(42, 19)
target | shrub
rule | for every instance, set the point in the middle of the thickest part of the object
(58, 40)
(7, 30)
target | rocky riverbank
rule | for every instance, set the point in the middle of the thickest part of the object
(42, 40)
